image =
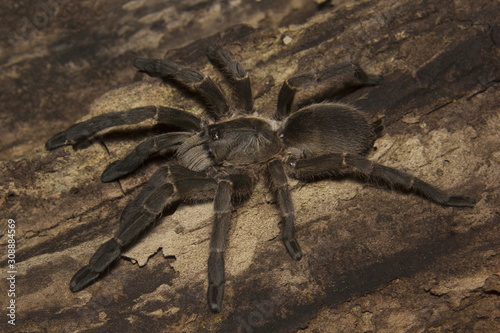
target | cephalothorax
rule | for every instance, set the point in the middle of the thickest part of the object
(221, 155)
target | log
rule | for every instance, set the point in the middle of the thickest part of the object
(374, 259)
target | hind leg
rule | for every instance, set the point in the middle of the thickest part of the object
(356, 164)
(340, 76)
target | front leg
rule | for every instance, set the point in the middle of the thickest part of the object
(159, 144)
(137, 215)
(158, 114)
(198, 82)
(235, 186)
(235, 73)
(167, 186)
(222, 207)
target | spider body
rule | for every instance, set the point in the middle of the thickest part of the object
(221, 156)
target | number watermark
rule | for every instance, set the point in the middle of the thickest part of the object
(11, 271)
(262, 311)
(32, 24)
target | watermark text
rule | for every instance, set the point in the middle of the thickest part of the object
(30, 25)
(11, 271)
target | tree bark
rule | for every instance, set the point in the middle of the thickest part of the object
(374, 259)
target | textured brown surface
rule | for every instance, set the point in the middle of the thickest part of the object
(375, 260)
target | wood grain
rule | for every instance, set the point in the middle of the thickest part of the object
(374, 260)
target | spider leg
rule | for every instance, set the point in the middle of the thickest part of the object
(88, 128)
(235, 73)
(378, 127)
(192, 79)
(222, 208)
(357, 164)
(279, 185)
(345, 74)
(168, 185)
(233, 186)
(160, 144)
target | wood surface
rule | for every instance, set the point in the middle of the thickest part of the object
(375, 260)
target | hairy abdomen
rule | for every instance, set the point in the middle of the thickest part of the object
(328, 128)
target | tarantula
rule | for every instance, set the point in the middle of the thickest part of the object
(221, 155)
